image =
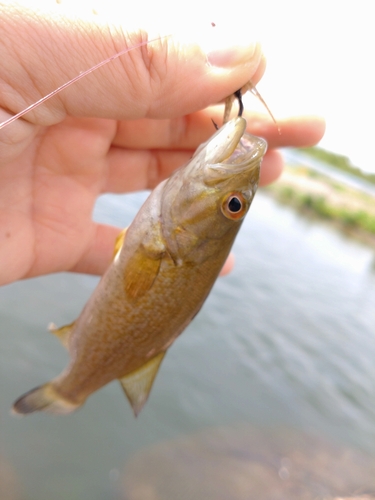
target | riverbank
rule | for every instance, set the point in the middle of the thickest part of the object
(340, 162)
(317, 196)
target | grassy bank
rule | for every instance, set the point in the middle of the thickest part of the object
(320, 197)
(338, 161)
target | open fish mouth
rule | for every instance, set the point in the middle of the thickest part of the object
(249, 151)
(232, 148)
(244, 158)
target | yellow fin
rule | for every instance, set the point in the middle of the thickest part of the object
(62, 333)
(119, 242)
(43, 398)
(137, 384)
(140, 273)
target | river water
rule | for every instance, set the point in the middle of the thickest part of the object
(287, 341)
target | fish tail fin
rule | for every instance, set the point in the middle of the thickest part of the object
(43, 398)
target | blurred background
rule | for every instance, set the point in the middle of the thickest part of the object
(270, 391)
(320, 61)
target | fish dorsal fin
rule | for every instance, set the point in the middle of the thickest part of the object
(137, 384)
(62, 333)
(119, 242)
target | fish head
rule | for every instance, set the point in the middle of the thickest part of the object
(209, 197)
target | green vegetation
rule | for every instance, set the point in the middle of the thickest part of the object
(338, 161)
(316, 195)
(319, 205)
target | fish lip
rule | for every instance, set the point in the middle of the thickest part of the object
(246, 157)
(224, 142)
(250, 149)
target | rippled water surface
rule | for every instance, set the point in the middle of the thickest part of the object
(287, 341)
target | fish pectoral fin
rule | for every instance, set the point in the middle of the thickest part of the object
(62, 333)
(119, 242)
(137, 384)
(140, 273)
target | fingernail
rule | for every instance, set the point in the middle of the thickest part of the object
(223, 46)
(235, 55)
(226, 48)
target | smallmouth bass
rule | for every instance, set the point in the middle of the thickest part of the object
(165, 265)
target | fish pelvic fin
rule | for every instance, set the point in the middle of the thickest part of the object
(62, 333)
(43, 398)
(137, 384)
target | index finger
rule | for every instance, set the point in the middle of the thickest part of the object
(145, 152)
(188, 132)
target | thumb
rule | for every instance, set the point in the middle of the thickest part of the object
(168, 77)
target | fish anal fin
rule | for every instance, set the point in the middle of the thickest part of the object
(43, 398)
(140, 273)
(62, 333)
(119, 242)
(137, 384)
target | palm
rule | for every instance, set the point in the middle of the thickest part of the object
(49, 195)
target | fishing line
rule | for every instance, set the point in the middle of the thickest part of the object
(76, 78)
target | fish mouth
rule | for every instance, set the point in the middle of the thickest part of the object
(249, 151)
(240, 151)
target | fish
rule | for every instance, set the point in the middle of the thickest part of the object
(165, 265)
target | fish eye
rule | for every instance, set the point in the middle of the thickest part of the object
(234, 206)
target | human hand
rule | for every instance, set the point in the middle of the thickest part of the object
(123, 128)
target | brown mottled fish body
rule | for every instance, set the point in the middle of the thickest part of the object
(166, 265)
